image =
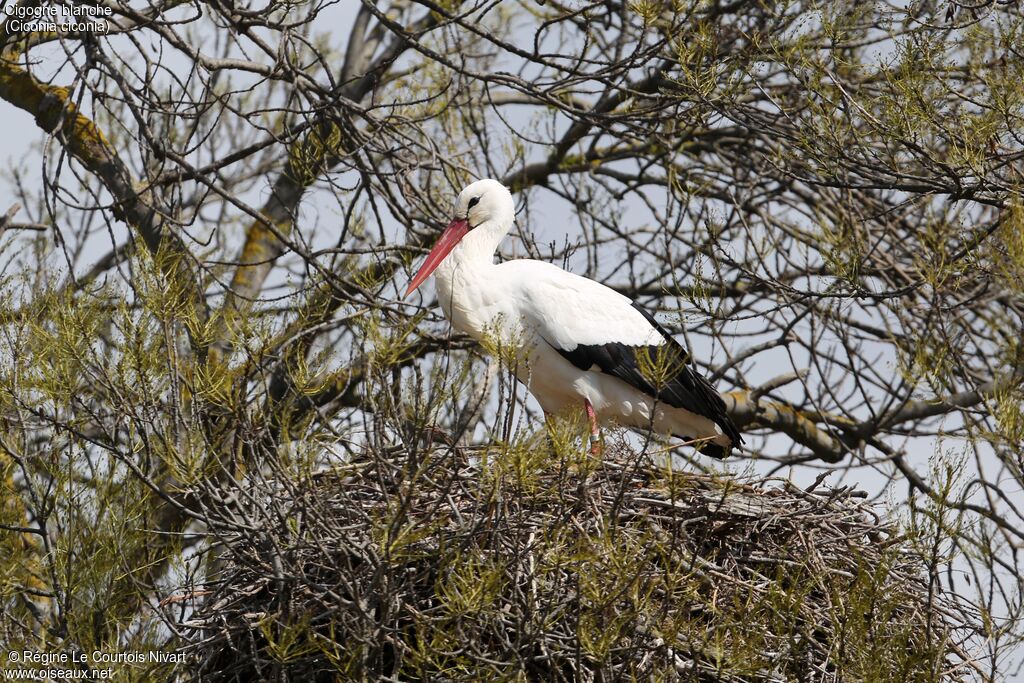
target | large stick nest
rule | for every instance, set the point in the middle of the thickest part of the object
(522, 565)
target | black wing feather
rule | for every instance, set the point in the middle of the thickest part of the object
(682, 387)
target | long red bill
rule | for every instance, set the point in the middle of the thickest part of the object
(455, 231)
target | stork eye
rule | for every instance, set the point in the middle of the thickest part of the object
(474, 201)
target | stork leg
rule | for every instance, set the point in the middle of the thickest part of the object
(595, 430)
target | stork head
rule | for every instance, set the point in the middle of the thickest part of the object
(484, 212)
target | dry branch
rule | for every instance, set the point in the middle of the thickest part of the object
(415, 566)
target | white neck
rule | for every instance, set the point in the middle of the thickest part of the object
(465, 280)
(474, 253)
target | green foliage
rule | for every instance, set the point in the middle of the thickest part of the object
(840, 182)
(616, 570)
(93, 415)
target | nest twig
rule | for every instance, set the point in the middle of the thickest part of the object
(421, 566)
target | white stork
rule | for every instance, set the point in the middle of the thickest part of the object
(578, 344)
